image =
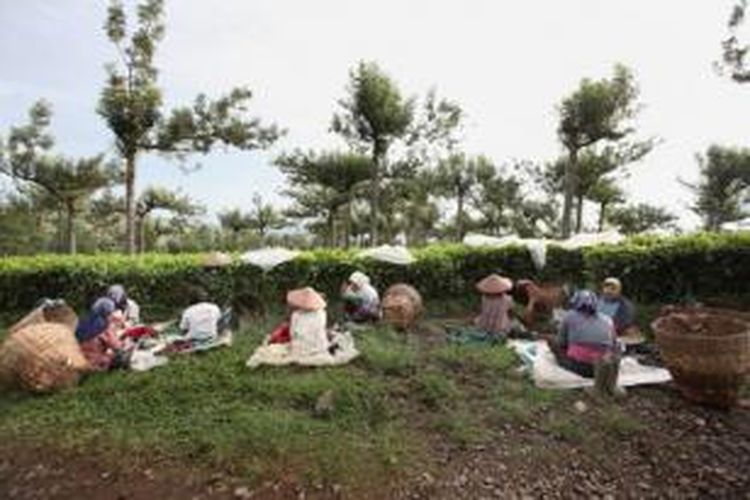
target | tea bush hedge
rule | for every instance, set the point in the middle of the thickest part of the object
(651, 270)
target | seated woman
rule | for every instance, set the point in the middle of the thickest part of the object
(619, 309)
(130, 309)
(304, 339)
(495, 315)
(361, 300)
(97, 336)
(202, 325)
(307, 324)
(586, 337)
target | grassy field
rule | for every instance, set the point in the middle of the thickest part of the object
(389, 405)
(404, 396)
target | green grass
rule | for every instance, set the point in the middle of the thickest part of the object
(212, 409)
(400, 396)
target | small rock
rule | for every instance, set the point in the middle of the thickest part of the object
(580, 406)
(105, 475)
(325, 403)
(700, 422)
(336, 489)
(428, 479)
(242, 492)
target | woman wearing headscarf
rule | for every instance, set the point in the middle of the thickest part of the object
(130, 309)
(361, 300)
(97, 336)
(614, 305)
(586, 336)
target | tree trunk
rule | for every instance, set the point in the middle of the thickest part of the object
(602, 216)
(375, 202)
(70, 229)
(331, 229)
(569, 187)
(141, 229)
(579, 214)
(348, 223)
(130, 247)
(460, 217)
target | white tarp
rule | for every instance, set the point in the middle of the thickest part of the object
(481, 240)
(582, 240)
(547, 374)
(738, 225)
(537, 247)
(268, 258)
(391, 254)
(284, 354)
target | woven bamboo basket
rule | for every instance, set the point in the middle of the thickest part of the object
(707, 351)
(402, 306)
(42, 357)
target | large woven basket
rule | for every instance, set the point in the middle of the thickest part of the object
(707, 351)
(402, 306)
(42, 357)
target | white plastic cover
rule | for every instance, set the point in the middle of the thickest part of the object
(738, 225)
(392, 254)
(268, 258)
(582, 240)
(537, 247)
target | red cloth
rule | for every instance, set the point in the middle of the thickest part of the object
(281, 335)
(136, 332)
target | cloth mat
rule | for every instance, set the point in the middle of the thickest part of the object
(547, 374)
(281, 354)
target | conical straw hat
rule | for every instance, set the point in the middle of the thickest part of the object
(306, 299)
(494, 284)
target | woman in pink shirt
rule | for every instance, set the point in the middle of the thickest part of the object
(97, 336)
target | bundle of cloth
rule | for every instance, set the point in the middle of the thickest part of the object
(304, 339)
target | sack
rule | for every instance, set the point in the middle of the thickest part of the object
(402, 306)
(42, 357)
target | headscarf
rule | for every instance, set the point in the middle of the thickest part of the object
(117, 294)
(359, 278)
(614, 283)
(585, 301)
(97, 321)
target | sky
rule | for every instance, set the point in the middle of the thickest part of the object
(507, 63)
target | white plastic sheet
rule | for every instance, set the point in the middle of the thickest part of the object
(285, 354)
(392, 254)
(268, 258)
(738, 225)
(481, 240)
(537, 247)
(547, 374)
(582, 240)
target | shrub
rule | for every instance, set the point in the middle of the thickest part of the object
(651, 269)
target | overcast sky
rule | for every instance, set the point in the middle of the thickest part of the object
(508, 63)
